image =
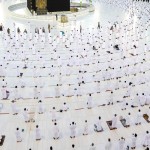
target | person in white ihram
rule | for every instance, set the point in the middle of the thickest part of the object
(86, 128)
(18, 135)
(146, 139)
(14, 108)
(114, 122)
(73, 130)
(56, 131)
(98, 126)
(37, 133)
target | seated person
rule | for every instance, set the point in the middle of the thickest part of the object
(97, 126)
(2, 138)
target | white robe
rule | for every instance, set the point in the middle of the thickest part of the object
(99, 126)
(16, 94)
(147, 140)
(53, 115)
(41, 108)
(57, 91)
(56, 132)
(36, 93)
(65, 107)
(121, 144)
(142, 100)
(133, 141)
(123, 104)
(138, 118)
(37, 134)
(14, 108)
(33, 50)
(86, 128)
(114, 122)
(26, 116)
(128, 121)
(2, 72)
(108, 146)
(73, 130)
(92, 148)
(18, 136)
(3, 90)
(147, 100)
(89, 102)
(22, 82)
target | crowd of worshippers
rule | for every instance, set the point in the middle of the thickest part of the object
(107, 72)
(142, 0)
(121, 143)
(97, 127)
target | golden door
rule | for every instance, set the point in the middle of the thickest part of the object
(41, 4)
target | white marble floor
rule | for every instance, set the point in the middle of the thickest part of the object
(114, 69)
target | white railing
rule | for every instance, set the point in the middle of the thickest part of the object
(50, 17)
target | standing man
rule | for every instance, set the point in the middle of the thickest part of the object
(1, 28)
(146, 139)
(98, 27)
(56, 131)
(73, 130)
(56, 17)
(85, 132)
(108, 145)
(14, 108)
(38, 133)
(18, 135)
(114, 122)
(49, 28)
(89, 102)
(80, 29)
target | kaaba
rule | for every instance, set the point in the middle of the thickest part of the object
(49, 5)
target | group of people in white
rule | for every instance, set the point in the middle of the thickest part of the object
(121, 144)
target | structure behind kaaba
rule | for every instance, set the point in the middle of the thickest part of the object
(58, 5)
(48, 5)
